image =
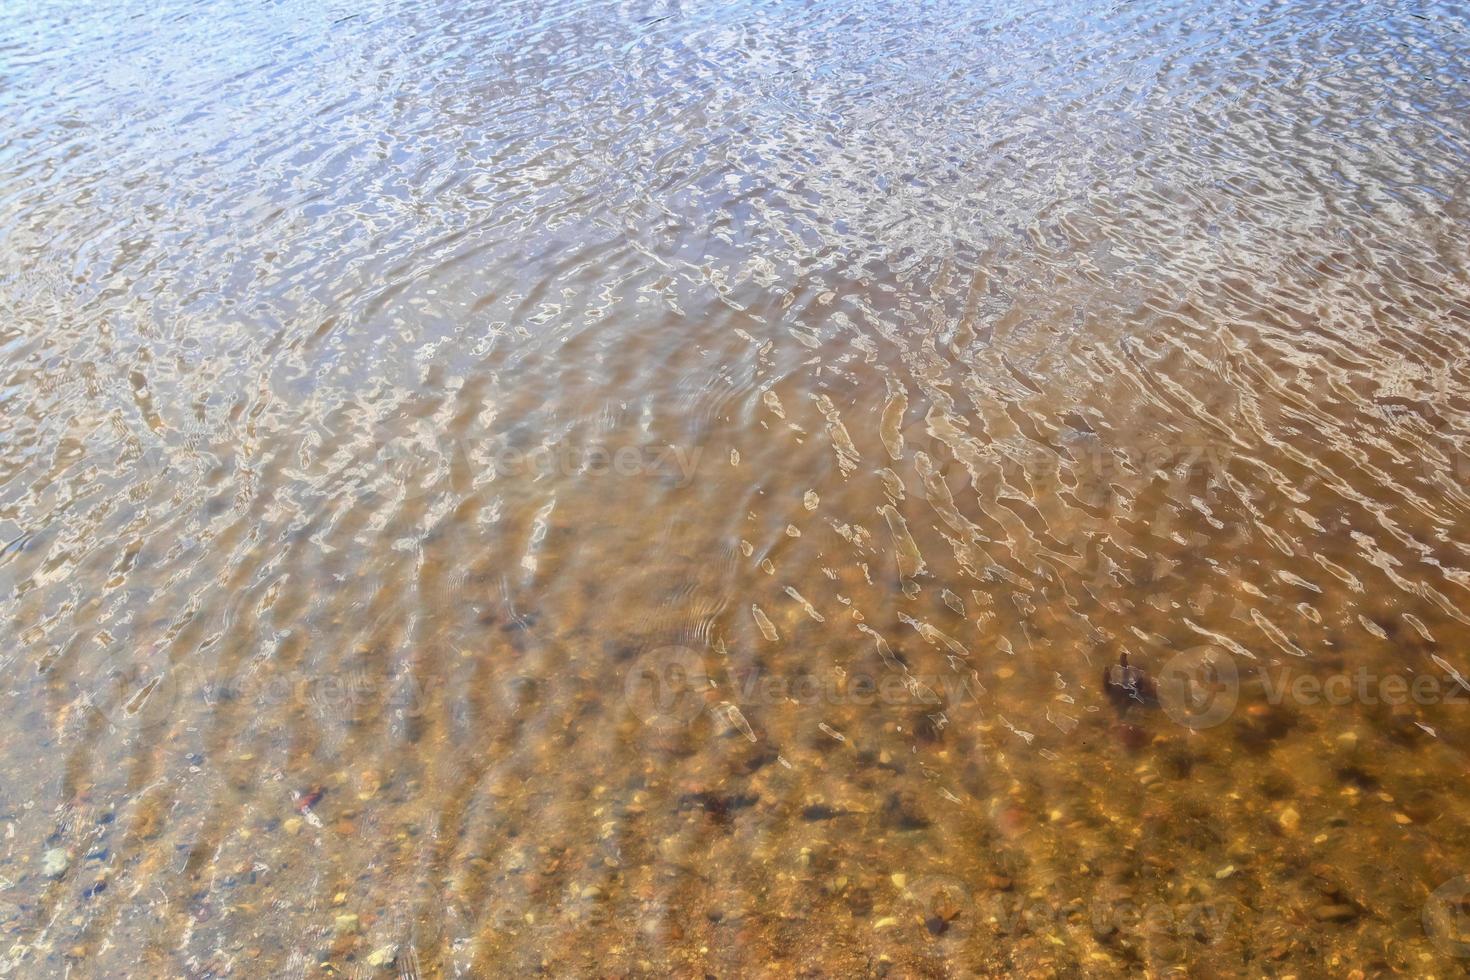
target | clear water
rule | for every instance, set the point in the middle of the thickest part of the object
(630, 488)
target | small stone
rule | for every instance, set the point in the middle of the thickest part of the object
(899, 879)
(55, 862)
(293, 826)
(593, 893)
(382, 957)
(346, 922)
(1402, 818)
(340, 898)
(1335, 913)
(1225, 872)
(667, 930)
(1290, 820)
(887, 922)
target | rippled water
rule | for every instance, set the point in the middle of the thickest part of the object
(620, 488)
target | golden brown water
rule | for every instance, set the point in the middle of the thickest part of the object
(635, 488)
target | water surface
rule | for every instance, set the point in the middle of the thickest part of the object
(629, 488)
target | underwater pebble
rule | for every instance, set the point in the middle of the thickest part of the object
(55, 862)
(1335, 913)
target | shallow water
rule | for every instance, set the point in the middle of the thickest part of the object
(628, 488)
